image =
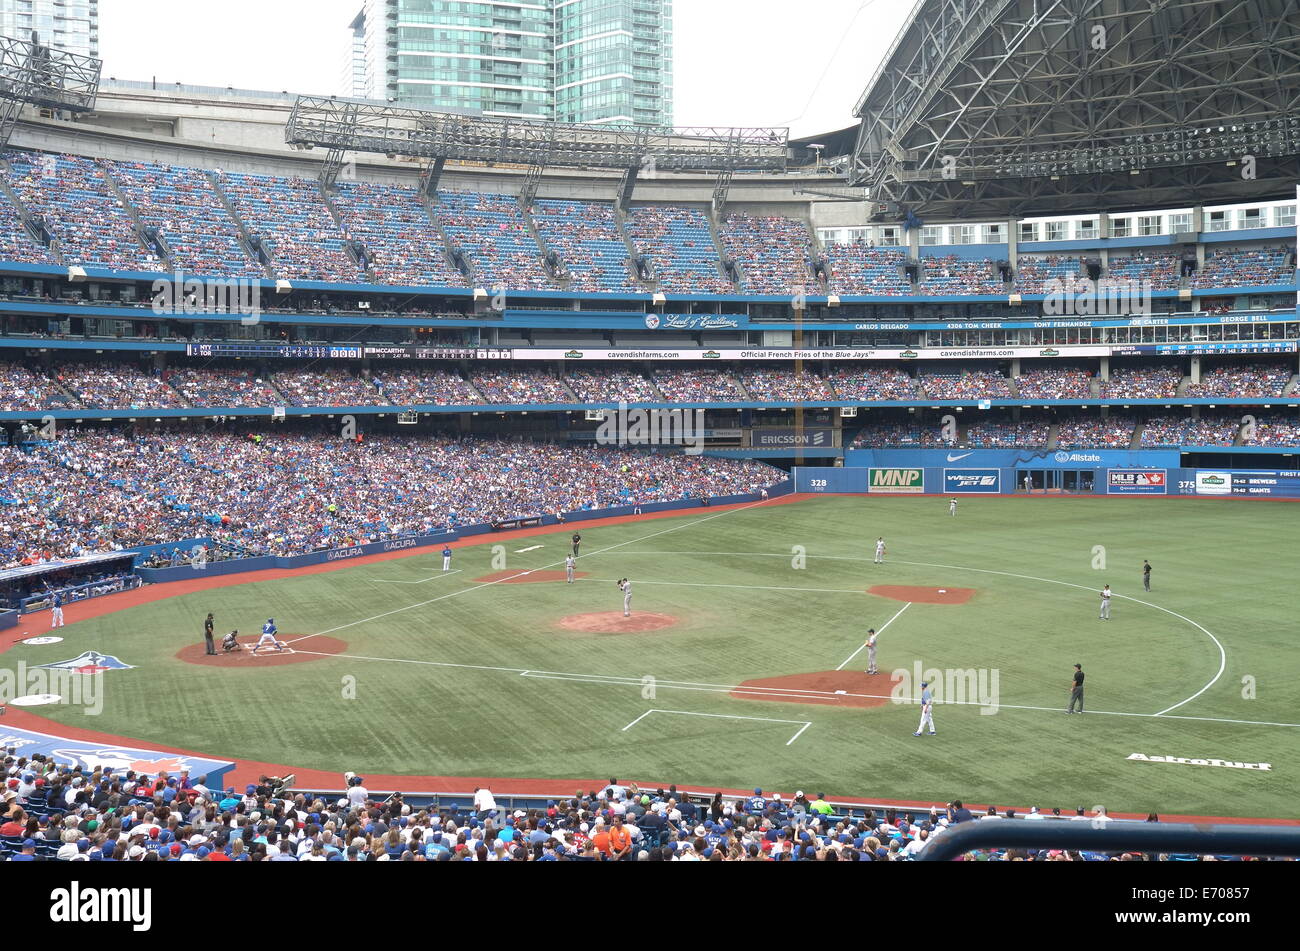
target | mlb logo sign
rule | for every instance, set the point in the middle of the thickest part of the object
(983, 481)
(1136, 481)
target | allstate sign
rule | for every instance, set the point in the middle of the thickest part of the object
(988, 481)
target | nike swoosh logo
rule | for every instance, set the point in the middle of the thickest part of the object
(952, 458)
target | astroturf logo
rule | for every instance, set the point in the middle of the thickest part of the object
(969, 685)
(1230, 764)
(653, 427)
(78, 905)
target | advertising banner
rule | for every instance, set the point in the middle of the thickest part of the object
(1137, 482)
(988, 481)
(793, 438)
(1213, 482)
(896, 481)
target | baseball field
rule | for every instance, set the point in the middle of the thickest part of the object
(743, 662)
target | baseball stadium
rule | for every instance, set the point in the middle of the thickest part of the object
(386, 482)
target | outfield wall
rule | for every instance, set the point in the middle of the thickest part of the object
(965, 479)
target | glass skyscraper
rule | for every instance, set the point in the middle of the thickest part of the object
(590, 61)
(70, 25)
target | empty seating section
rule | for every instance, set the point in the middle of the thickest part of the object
(585, 236)
(492, 232)
(697, 386)
(1161, 271)
(393, 224)
(292, 218)
(1142, 383)
(520, 386)
(80, 210)
(951, 275)
(1115, 432)
(863, 384)
(777, 385)
(1034, 275)
(774, 254)
(611, 386)
(196, 228)
(679, 245)
(956, 385)
(858, 268)
(1256, 379)
(1246, 267)
(1180, 431)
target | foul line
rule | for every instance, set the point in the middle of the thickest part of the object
(441, 574)
(520, 574)
(722, 716)
(878, 633)
(743, 587)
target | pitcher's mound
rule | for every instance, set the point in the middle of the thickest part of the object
(299, 652)
(836, 688)
(613, 622)
(527, 577)
(898, 592)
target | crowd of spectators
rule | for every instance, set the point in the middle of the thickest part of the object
(200, 236)
(861, 268)
(1162, 271)
(901, 435)
(1054, 383)
(677, 241)
(1247, 267)
(22, 389)
(327, 386)
(585, 236)
(610, 386)
(774, 253)
(862, 383)
(970, 384)
(1142, 383)
(1115, 432)
(82, 213)
(16, 244)
(223, 386)
(703, 385)
(1008, 434)
(1186, 431)
(285, 493)
(1035, 274)
(1242, 380)
(520, 386)
(296, 226)
(491, 231)
(391, 221)
(948, 275)
(1278, 431)
(781, 385)
(118, 386)
(423, 387)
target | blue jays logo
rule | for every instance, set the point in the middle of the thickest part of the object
(117, 759)
(652, 321)
(91, 662)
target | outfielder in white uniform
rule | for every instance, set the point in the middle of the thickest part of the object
(626, 587)
(268, 637)
(1105, 603)
(880, 551)
(927, 710)
(952, 507)
(569, 564)
(871, 651)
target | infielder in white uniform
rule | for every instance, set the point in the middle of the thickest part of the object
(952, 507)
(927, 710)
(880, 551)
(871, 652)
(569, 565)
(626, 587)
(1105, 603)
(268, 637)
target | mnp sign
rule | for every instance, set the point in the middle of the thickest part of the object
(972, 480)
(897, 481)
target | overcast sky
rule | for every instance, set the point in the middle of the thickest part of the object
(801, 63)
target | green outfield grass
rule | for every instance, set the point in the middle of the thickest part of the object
(532, 701)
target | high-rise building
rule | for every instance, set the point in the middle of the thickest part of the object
(591, 61)
(70, 25)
